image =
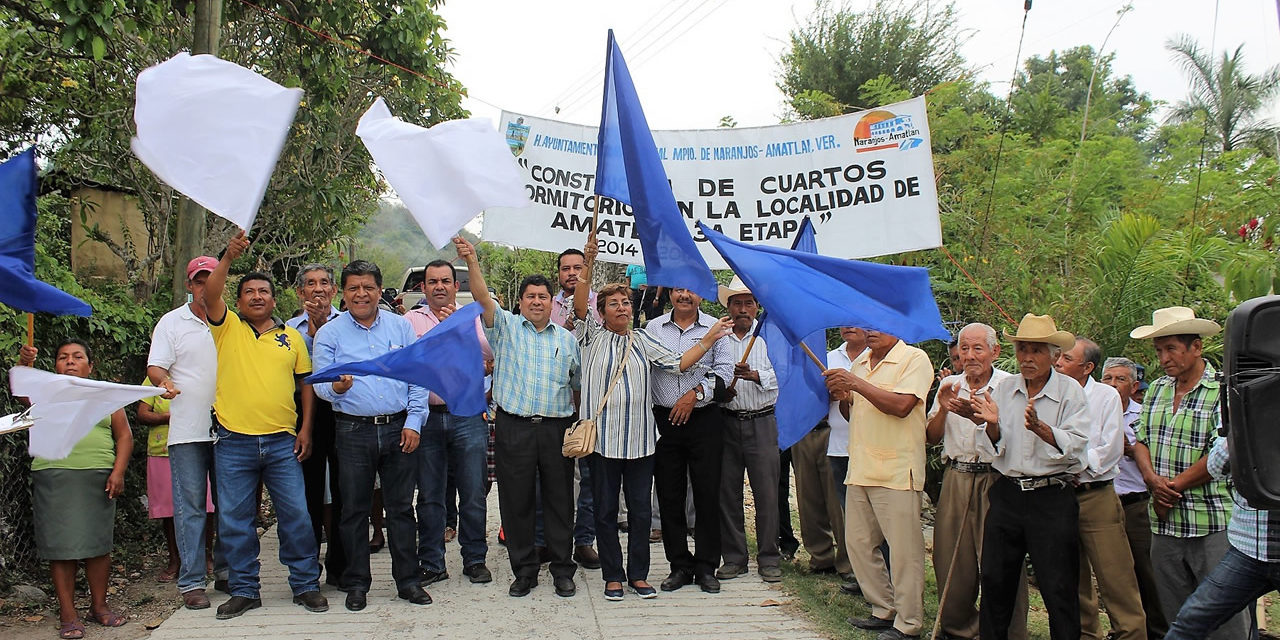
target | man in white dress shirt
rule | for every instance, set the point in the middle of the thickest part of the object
(1036, 431)
(1103, 545)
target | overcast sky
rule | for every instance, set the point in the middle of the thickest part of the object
(696, 61)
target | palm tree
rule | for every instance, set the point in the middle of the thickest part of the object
(1230, 99)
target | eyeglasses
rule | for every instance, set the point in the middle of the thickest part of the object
(617, 305)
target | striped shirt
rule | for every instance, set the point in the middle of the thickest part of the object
(753, 395)
(1178, 440)
(534, 372)
(1252, 532)
(626, 428)
(668, 387)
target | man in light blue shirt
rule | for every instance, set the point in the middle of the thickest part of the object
(378, 421)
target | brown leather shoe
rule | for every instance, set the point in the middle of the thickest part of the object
(586, 556)
(195, 599)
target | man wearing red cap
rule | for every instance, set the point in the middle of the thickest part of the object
(184, 361)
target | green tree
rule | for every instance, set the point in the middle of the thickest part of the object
(838, 50)
(1224, 96)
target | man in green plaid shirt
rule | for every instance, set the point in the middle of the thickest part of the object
(1176, 430)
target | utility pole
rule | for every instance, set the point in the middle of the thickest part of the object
(191, 216)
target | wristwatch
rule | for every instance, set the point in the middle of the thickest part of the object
(699, 393)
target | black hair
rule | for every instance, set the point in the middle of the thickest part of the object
(535, 280)
(1187, 339)
(88, 353)
(1092, 352)
(440, 263)
(255, 275)
(569, 252)
(361, 268)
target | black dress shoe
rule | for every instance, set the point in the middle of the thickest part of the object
(312, 601)
(415, 595)
(521, 586)
(236, 606)
(356, 600)
(676, 580)
(871, 623)
(564, 586)
(708, 583)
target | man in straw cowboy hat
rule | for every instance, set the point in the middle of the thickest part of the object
(1036, 430)
(750, 443)
(886, 389)
(1175, 432)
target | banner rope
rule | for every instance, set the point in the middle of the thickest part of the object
(976, 285)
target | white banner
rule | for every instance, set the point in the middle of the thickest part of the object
(865, 179)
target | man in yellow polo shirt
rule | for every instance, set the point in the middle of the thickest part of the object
(260, 363)
(885, 390)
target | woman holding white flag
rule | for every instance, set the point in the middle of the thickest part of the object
(616, 362)
(73, 500)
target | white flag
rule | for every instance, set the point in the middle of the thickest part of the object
(65, 408)
(213, 130)
(445, 175)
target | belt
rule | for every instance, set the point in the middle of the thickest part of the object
(1137, 496)
(438, 408)
(750, 414)
(382, 419)
(1090, 486)
(533, 419)
(1040, 482)
(971, 467)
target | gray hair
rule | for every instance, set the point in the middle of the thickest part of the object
(1122, 362)
(987, 331)
(308, 268)
(1092, 352)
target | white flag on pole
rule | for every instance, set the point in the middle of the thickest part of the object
(213, 130)
(445, 175)
(65, 408)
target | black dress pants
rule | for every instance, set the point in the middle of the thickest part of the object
(692, 450)
(528, 451)
(1044, 524)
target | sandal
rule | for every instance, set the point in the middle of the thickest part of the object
(169, 574)
(108, 619)
(71, 630)
(450, 533)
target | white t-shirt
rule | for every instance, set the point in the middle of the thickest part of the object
(838, 439)
(181, 343)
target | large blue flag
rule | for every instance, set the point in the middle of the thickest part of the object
(807, 292)
(802, 391)
(21, 289)
(446, 360)
(629, 170)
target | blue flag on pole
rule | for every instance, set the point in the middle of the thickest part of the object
(446, 360)
(807, 292)
(629, 170)
(802, 391)
(21, 289)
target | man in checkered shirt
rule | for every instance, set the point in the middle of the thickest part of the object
(1175, 430)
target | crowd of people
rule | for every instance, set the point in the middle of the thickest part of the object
(1070, 467)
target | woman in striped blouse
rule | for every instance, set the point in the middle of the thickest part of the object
(627, 433)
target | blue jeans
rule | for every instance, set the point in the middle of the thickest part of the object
(191, 466)
(242, 461)
(461, 443)
(584, 519)
(366, 450)
(1231, 587)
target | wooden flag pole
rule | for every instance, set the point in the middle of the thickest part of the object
(821, 367)
(750, 343)
(31, 329)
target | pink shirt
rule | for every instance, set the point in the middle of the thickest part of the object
(562, 309)
(423, 320)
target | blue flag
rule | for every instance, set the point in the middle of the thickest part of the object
(629, 170)
(802, 391)
(807, 292)
(21, 289)
(445, 360)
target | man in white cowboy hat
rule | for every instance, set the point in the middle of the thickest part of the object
(1175, 432)
(1104, 547)
(1036, 430)
(886, 389)
(750, 443)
